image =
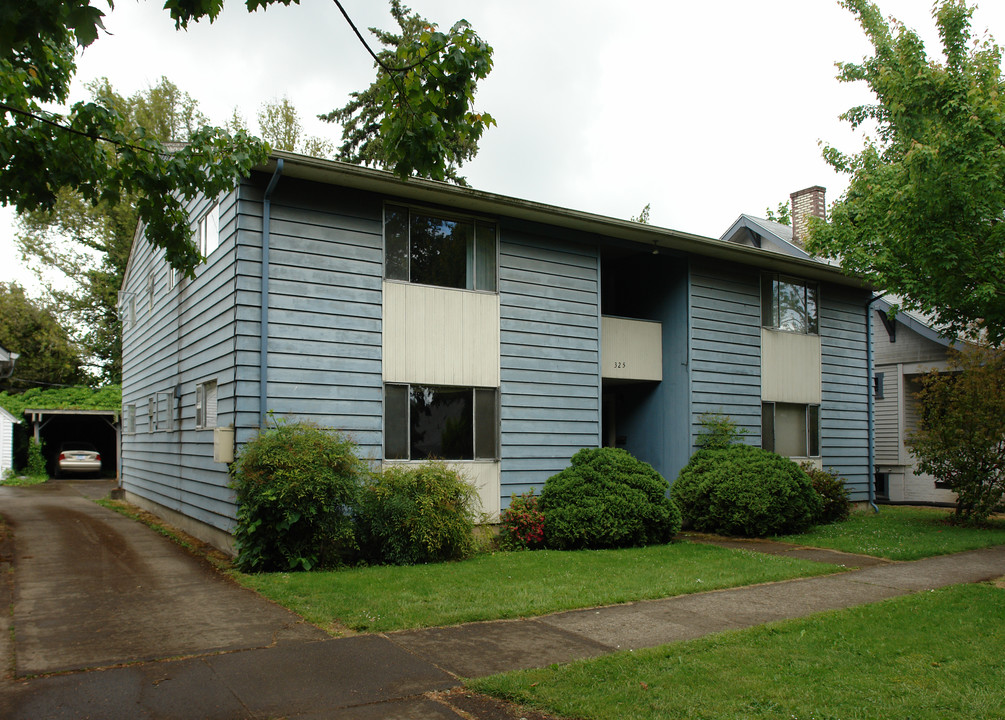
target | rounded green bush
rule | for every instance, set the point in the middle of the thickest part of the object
(744, 490)
(835, 503)
(607, 499)
(411, 514)
(296, 484)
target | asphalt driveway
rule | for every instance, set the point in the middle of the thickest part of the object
(95, 589)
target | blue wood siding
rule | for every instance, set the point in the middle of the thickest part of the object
(844, 413)
(185, 337)
(324, 347)
(549, 355)
(726, 345)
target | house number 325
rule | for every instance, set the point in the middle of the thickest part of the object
(620, 364)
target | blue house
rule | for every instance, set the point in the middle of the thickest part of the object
(502, 334)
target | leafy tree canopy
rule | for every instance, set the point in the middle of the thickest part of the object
(78, 397)
(417, 116)
(923, 213)
(279, 125)
(783, 215)
(79, 249)
(47, 355)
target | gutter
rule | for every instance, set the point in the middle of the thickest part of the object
(871, 480)
(263, 356)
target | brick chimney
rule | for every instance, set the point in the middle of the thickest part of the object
(806, 203)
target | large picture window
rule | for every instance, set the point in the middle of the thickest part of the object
(435, 421)
(790, 429)
(430, 249)
(789, 304)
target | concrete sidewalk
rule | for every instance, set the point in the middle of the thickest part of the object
(281, 667)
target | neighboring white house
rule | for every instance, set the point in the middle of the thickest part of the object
(905, 349)
(7, 422)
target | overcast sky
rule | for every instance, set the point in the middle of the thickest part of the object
(704, 110)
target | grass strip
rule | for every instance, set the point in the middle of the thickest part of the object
(901, 533)
(516, 584)
(929, 656)
(23, 480)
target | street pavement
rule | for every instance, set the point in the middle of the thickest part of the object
(112, 620)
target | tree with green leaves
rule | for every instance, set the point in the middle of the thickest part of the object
(91, 149)
(79, 249)
(47, 354)
(923, 213)
(421, 102)
(417, 117)
(960, 438)
(642, 217)
(280, 126)
(783, 215)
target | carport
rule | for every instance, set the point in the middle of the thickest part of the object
(99, 427)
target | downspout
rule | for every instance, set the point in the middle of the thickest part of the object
(870, 392)
(263, 356)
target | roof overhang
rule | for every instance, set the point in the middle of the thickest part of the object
(476, 201)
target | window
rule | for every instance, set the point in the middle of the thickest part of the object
(127, 308)
(151, 414)
(431, 421)
(790, 429)
(433, 250)
(205, 405)
(789, 304)
(129, 419)
(209, 231)
(877, 385)
(151, 287)
(163, 421)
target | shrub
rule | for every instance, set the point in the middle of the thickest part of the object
(834, 496)
(606, 499)
(36, 460)
(744, 490)
(412, 514)
(296, 484)
(960, 429)
(718, 431)
(522, 523)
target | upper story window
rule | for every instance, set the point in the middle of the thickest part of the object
(789, 304)
(430, 249)
(209, 231)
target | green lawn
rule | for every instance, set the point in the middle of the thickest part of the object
(928, 656)
(900, 533)
(516, 584)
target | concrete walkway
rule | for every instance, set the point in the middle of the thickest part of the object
(113, 621)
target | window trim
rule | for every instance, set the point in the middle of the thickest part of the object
(129, 419)
(444, 214)
(496, 440)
